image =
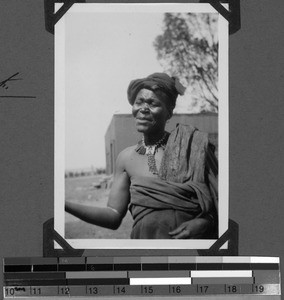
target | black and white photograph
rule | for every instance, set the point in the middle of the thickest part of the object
(141, 126)
(137, 138)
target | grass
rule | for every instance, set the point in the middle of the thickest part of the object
(81, 190)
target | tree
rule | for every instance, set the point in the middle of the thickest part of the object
(188, 49)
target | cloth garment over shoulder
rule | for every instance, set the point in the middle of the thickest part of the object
(185, 189)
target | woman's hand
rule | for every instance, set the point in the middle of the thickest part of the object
(192, 229)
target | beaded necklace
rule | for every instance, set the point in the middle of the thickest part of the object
(151, 150)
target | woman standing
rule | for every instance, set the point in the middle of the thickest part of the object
(168, 181)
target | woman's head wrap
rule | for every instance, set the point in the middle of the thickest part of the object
(156, 82)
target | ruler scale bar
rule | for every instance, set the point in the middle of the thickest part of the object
(149, 290)
(141, 276)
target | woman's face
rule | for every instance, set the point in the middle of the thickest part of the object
(150, 113)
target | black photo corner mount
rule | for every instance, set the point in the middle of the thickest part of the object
(51, 18)
(233, 15)
(231, 236)
(50, 235)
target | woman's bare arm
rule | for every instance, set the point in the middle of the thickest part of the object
(101, 216)
(112, 215)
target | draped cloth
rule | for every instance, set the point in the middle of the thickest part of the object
(185, 189)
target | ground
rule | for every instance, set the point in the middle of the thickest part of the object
(82, 190)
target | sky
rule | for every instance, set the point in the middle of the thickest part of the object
(103, 52)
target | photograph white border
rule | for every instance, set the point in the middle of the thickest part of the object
(59, 127)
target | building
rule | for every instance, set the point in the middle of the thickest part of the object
(121, 132)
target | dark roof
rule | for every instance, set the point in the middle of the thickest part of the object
(196, 114)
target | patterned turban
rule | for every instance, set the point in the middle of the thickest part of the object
(156, 82)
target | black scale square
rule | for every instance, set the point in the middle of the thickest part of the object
(260, 266)
(127, 267)
(17, 268)
(209, 266)
(100, 267)
(44, 268)
(71, 267)
(155, 267)
(236, 266)
(180, 266)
